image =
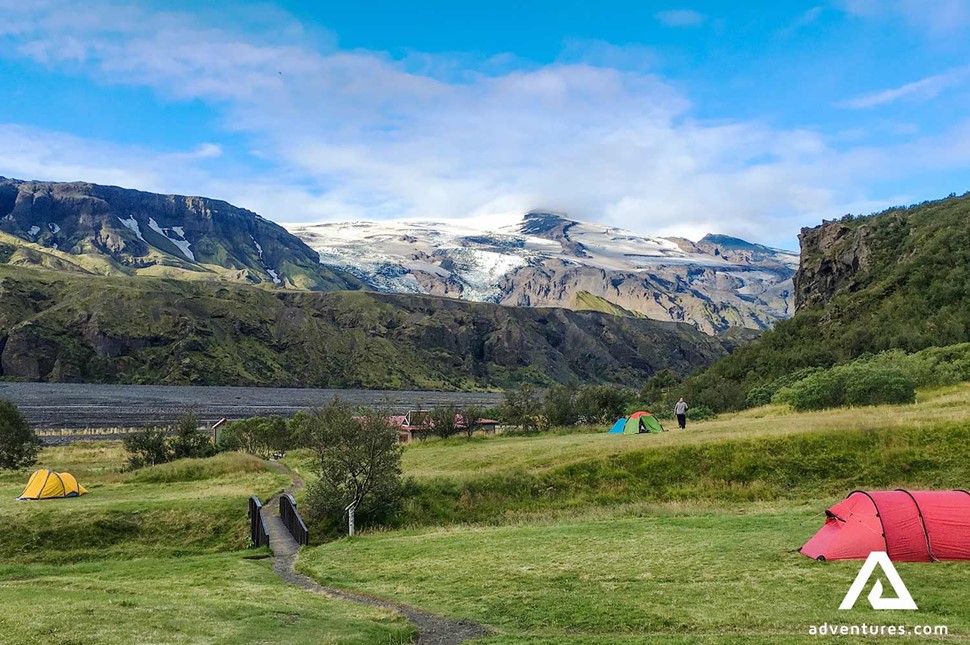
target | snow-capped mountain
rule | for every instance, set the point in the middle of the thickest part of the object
(545, 259)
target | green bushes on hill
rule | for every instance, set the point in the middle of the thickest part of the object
(894, 282)
(849, 385)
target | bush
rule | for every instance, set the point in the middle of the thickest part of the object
(854, 384)
(559, 407)
(188, 441)
(522, 408)
(359, 466)
(700, 412)
(658, 387)
(147, 447)
(153, 446)
(601, 403)
(18, 442)
(261, 436)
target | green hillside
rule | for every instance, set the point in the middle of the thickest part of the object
(896, 280)
(56, 326)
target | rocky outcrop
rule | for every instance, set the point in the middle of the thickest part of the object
(833, 256)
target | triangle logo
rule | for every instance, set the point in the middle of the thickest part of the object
(903, 599)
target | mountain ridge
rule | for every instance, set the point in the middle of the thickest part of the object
(90, 228)
(66, 327)
(547, 259)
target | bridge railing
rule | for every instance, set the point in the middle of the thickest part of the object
(257, 523)
(292, 520)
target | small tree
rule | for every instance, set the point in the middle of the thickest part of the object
(146, 448)
(601, 403)
(522, 408)
(359, 460)
(444, 420)
(188, 440)
(260, 436)
(559, 407)
(18, 442)
(470, 417)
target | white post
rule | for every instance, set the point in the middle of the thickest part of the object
(350, 519)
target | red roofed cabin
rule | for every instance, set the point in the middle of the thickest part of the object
(419, 421)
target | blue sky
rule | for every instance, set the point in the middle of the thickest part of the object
(751, 119)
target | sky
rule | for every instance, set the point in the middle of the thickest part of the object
(746, 118)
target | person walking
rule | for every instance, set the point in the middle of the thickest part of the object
(681, 411)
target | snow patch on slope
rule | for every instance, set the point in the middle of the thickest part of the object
(183, 245)
(132, 225)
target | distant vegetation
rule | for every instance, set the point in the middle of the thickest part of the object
(153, 446)
(18, 442)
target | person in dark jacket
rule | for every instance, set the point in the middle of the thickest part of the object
(681, 411)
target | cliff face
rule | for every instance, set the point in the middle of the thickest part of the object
(832, 257)
(87, 228)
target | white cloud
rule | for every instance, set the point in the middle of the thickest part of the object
(680, 18)
(923, 89)
(936, 16)
(358, 135)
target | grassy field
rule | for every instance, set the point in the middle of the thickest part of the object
(157, 556)
(684, 536)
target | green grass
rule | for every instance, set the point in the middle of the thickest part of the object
(157, 556)
(715, 574)
(686, 536)
(222, 598)
(186, 507)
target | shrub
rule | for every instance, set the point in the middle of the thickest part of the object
(657, 388)
(444, 420)
(260, 436)
(849, 385)
(181, 440)
(601, 403)
(700, 412)
(522, 408)
(359, 466)
(18, 442)
(188, 440)
(147, 447)
(559, 407)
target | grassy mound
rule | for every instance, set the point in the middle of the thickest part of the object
(804, 466)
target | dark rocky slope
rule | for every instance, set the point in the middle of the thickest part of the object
(64, 327)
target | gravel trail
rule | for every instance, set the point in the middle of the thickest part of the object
(432, 629)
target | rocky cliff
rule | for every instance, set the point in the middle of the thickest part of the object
(87, 228)
(833, 256)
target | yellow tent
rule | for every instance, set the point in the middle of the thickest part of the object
(46, 484)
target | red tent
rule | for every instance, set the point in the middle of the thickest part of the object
(911, 526)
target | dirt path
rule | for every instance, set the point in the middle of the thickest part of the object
(432, 629)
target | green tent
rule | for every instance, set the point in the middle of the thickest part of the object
(636, 423)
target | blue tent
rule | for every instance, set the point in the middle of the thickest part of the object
(618, 426)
